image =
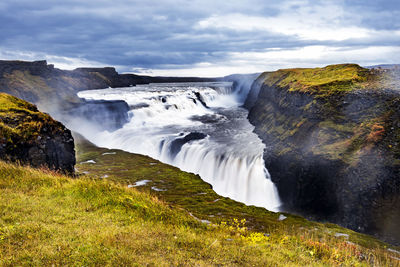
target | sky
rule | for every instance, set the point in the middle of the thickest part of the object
(200, 37)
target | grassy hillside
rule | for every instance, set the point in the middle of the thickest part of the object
(330, 80)
(48, 219)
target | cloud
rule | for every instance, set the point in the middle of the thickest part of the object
(273, 59)
(304, 25)
(178, 35)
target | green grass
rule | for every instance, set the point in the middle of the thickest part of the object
(26, 83)
(49, 219)
(21, 122)
(330, 80)
(9, 103)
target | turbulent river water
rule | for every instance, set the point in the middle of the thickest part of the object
(198, 127)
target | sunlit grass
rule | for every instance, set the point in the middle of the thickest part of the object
(21, 122)
(330, 80)
(49, 219)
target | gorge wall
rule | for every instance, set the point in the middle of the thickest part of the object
(333, 143)
(42, 84)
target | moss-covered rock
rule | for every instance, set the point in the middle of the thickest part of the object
(30, 136)
(333, 142)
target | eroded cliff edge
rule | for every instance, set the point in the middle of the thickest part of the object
(333, 143)
(51, 88)
(31, 137)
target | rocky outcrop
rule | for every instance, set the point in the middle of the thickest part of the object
(31, 137)
(333, 144)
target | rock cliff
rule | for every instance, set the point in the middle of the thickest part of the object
(51, 88)
(31, 137)
(333, 143)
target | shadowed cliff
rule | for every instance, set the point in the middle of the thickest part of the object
(333, 143)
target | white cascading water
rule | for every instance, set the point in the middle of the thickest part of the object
(198, 127)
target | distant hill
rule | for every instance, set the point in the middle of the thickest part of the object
(52, 89)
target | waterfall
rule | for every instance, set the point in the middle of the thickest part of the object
(244, 179)
(198, 127)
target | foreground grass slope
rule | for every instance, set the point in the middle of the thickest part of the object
(49, 219)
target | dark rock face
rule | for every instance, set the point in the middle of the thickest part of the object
(177, 144)
(106, 115)
(31, 137)
(55, 152)
(334, 158)
(199, 98)
(254, 91)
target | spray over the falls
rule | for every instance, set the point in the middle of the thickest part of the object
(198, 127)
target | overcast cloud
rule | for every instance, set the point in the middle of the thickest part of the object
(200, 37)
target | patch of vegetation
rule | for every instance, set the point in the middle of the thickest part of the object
(21, 121)
(351, 139)
(330, 80)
